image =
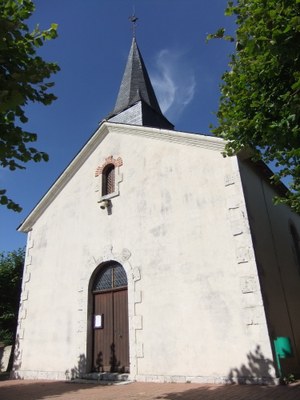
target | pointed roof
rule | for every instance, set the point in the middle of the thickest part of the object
(136, 87)
(136, 83)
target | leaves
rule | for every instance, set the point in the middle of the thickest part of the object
(23, 79)
(220, 34)
(9, 203)
(260, 95)
(11, 270)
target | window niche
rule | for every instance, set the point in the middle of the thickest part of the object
(109, 178)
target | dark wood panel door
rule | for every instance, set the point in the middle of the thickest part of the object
(111, 336)
(103, 308)
(121, 331)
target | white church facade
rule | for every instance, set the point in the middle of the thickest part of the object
(155, 256)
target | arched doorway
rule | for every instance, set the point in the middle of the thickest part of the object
(110, 319)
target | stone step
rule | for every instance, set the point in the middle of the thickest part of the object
(103, 378)
(106, 376)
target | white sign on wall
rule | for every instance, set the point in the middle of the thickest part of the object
(98, 321)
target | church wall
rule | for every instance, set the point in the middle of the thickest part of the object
(180, 229)
(278, 266)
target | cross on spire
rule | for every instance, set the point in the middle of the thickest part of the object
(133, 19)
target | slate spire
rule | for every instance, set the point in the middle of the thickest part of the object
(136, 102)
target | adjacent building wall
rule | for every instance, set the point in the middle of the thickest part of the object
(277, 260)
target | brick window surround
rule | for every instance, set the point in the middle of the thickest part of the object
(109, 178)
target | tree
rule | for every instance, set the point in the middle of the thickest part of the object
(260, 94)
(11, 271)
(23, 79)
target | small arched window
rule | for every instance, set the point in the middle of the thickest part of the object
(111, 277)
(108, 179)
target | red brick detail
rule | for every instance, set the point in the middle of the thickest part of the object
(109, 160)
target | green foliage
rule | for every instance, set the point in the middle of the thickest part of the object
(23, 79)
(286, 380)
(11, 270)
(260, 94)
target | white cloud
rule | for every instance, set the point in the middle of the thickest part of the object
(174, 82)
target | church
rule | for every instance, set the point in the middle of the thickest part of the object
(154, 257)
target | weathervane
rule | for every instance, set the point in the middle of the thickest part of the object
(133, 19)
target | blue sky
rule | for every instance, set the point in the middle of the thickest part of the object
(92, 49)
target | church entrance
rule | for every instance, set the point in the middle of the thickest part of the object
(110, 320)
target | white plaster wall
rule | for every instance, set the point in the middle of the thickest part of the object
(5, 352)
(180, 228)
(277, 261)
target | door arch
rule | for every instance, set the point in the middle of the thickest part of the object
(110, 319)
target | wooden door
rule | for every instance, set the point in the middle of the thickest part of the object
(111, 337)
(121, 331)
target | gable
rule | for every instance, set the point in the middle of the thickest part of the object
(139, 134)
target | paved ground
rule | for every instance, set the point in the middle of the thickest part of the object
(40, 390)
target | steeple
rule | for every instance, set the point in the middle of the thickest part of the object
(136, 102)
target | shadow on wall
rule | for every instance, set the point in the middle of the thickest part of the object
(258, 370)
(73, 373)
(256, 367)
(77, 371)
(15, 359)
(114, 363)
